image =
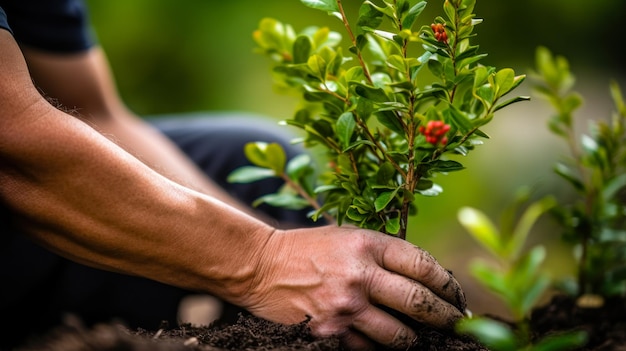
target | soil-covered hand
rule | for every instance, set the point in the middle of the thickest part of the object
(339, 278)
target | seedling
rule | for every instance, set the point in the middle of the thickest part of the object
(595, 221)
(516, 277)
(400, 106)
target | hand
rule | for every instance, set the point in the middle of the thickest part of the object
(338, 277)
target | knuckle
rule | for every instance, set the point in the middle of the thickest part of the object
(359, 243)
(425, 266)
(414, 298)
(402, 338)
(419, 302)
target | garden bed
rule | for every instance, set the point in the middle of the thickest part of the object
(605, 325)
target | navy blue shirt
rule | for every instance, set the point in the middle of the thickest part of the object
(3, 20)
(51, 25)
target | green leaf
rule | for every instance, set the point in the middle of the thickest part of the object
(533, 294)
(357, 143)
(618, 99)
(384, 199)
(472, 59)
(571, 103)
(434, 190)
(355, 214)
(528, 265)
(324, 188)
(384, 34)
(612, 187)
(508, 216)
(249, 174)
(324, 5)
(566, 173)
(445, 166)
(511, 101)
(301, 49)
(469, 55)
(481, 228)
(285, 200)
(459, 119)
(299, 166)
(369, 92)
(392, 121)
(504, 80)
(528, 219)
(480, 76)
(386, 10)
(495, 335)
(528, 281)
(565, 341)
(392, 225)
(385, 173)
(450, 11)
(491, 278)
(396, 62)
(274, 37)
(487, 94)
(345, 128)
(588, 144)
(412, 15)
(424, 184)
(325, 38)
(554, 70)
(268, 155)
(435, 67)
(369, 16)
(317, 65)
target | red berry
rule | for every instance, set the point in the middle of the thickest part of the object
(439, 32)
(435, 132)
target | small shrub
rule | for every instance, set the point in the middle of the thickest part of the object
(388, 121)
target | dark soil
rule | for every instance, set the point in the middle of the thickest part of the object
(605, 326)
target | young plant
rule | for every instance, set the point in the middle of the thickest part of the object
(516, 277)
(388, 113)
(595, 221)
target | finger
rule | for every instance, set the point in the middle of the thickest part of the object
(416, 263)
(354, 340)
(413, 299)
(350, 338)
(383, 328)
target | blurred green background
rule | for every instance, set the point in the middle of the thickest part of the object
(171, 56)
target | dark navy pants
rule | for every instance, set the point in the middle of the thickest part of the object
(39, 287)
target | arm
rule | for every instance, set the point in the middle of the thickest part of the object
(80, 195)
(83, 82)
(85, 198)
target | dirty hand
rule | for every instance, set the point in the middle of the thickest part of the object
(340, 276)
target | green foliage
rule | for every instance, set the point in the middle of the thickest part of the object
(371, 108)
(498, 336)
(595, 222)
(516, 278)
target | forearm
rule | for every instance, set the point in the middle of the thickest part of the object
(83, 82)
(85, 198)
(154, 149)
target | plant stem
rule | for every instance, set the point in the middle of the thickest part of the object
(588, 200)
(344, 19)
(295, 186)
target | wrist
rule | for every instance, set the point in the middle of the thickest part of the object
(265, 263)
(238, 254)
